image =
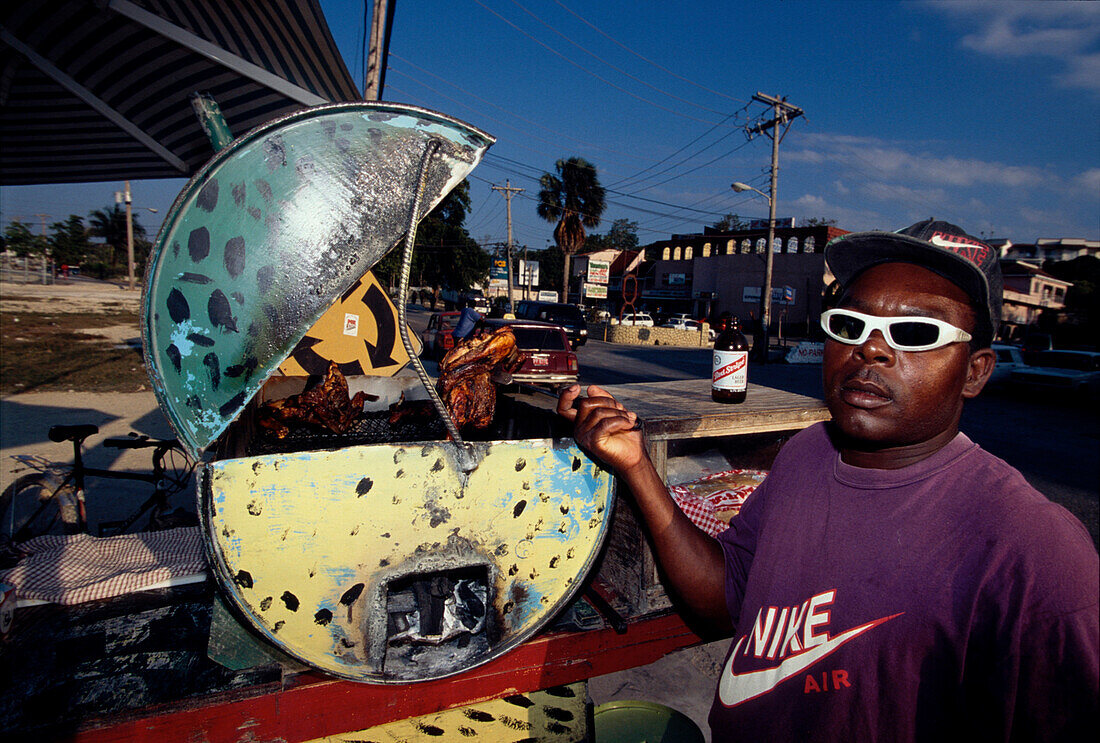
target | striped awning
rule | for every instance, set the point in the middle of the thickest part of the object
(99, 90)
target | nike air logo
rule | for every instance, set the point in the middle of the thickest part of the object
(735, 688)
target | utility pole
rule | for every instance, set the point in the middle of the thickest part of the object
(129, 240)
(380, 27)
(508, 192)
(783, 114)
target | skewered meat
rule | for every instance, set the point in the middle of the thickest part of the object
(326, 406)
(465, 381)
(417, 411)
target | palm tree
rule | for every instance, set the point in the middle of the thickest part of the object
(574, 199)
(110, 224)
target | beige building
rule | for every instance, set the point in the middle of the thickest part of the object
(1028, 291)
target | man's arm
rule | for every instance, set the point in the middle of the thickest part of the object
(691, 558)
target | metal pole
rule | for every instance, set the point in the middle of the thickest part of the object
(129, 240)
(766, 294)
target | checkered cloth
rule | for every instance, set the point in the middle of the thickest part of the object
(73, 568)
(710, 502)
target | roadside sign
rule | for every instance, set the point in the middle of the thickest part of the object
(598, 272)
(780, 294)
(499, 271)
(548, 296)
(595, 291)
(528, 273)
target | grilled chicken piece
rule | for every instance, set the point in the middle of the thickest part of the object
(488, 349)
(466, 373)
(325, 406)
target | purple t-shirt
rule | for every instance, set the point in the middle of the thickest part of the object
(945, 600)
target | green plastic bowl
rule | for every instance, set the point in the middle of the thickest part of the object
(631, 721)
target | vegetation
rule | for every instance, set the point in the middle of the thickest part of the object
(1082, 301)
(623, 235)
(444, 253)
(730, 223)
(573, 198)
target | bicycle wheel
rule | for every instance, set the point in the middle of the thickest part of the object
(34, 505)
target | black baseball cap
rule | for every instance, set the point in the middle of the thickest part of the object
(962, 259)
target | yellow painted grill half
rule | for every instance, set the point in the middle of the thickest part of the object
(330, 554)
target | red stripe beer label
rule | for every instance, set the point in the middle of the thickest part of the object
(730, 371)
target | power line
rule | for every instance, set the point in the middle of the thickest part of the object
(581, 67)
(644, 59)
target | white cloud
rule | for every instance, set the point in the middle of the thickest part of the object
(1065, 31)
(1089, 181)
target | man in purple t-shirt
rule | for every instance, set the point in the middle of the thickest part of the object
(890, 580)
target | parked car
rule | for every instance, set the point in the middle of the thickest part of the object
(680, 323)
(638, 318)
(550, 358)
(438, 337)
(1009, 358)
(1066, 371)
(566, 315)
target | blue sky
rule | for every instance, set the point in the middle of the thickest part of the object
(983, 114)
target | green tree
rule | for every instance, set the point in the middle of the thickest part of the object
(110, 224)
(816, 222)
(730, 223)
(19, 239)
(69, 241)
(574, 199)
(444, 253)
(623, 235)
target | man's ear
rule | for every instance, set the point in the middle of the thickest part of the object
(978, 370)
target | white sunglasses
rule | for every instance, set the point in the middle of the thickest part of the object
(901, 333)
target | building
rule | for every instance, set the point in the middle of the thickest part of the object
(1028, 291)
(710, 273)
(584, 286)
(1044, 249)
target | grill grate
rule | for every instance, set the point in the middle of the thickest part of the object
(369, 428)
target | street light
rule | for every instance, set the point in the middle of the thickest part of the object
(766, 291)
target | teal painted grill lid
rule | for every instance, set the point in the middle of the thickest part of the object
(269, 234)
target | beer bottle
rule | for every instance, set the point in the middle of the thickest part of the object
(730, 370)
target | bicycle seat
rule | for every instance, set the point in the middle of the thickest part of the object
(72, 433)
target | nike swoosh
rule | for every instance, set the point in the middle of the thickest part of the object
(937, 240)
(736, 688)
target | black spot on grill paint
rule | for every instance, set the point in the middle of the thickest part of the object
(557, 728)
(559, 714)
(221, 314)
(346, 642)
(383, 563)
(274, 153)
(233, 405)
(467, 732)
(290, 600)
(243, 579)
(429, 729)
(323, 617)
(173, 355)
(244, 369)
(238, 194)
(213, 369)
(561, 691)
(175, 248)
(237, 297)
(342, 144)
(255, 508)
(508, 606)
(265, 603)
(200, 340)
(198, 244)
(351, 594)
(520, 464)
(364, 486)
(255, 213)
(478, 715)
(264, 188)
(208, 196)
(265, 277)
(278, 626)
(195, 278)
(513, 570)
(401, 473)
(576, 463)
(234, 256)
(438, 466)
(520, 700)
(253, 329)
(518, 509)
(554, 561)
(178, 309)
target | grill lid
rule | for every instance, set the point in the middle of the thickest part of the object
(269, 234)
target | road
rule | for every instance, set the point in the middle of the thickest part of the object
(1055, 443)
